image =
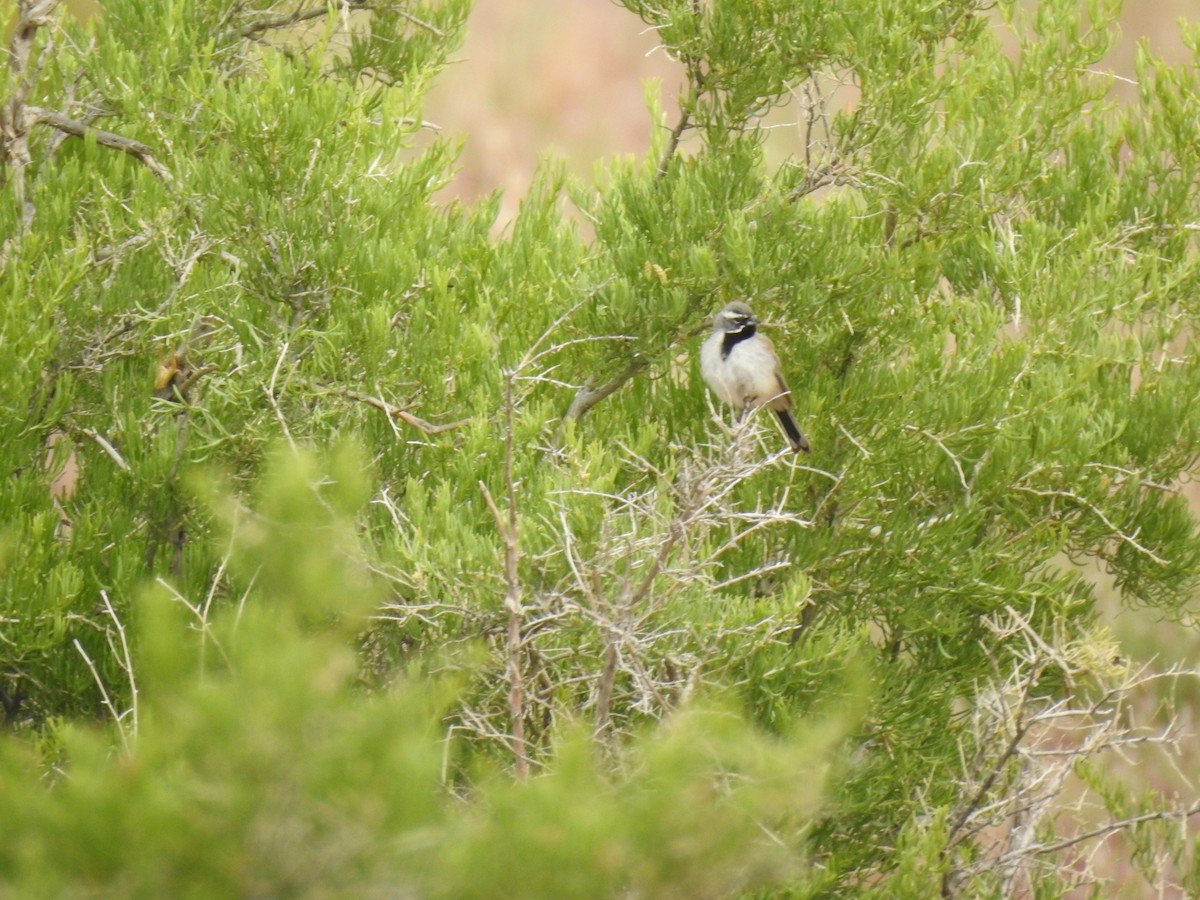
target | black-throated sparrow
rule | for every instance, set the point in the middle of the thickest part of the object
(741, 367)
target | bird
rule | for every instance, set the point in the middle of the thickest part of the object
(741, 367)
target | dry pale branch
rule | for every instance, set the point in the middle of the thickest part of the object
(1130, 539)
(126, 729)
(601, 632)
(590, 394)
(1019, 781)
(619, 584)
(201, 611)
(109, 450)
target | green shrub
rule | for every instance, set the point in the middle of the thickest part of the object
(554, 628)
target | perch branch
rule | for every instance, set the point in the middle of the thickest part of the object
(588, 396)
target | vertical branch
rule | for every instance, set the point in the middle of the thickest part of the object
(687, 105)
(506, 524)
(608, 678)
(14, 115)
(685, 120)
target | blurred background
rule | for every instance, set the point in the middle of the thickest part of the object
(565, 77)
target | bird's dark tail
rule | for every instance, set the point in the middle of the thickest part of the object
(794, 435)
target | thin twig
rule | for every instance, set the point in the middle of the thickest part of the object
(428, 26)
(1099, 513)
(105, 698)
(104, 444)
(962, 478)
(508, 528)
(273, 397)
(393, 411)
(124, 659)
(1112, 827)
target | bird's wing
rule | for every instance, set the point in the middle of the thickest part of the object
(781, 397)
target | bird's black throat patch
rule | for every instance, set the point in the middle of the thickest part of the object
(733, 338)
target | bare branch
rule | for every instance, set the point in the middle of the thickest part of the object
(589, 395)
(76, 128)
(15, 117)
(1018, 781)
(104, 444)
(255, 27)
(685, 120)
(420, 23)
(1113, 827)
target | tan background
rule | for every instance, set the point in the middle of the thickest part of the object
(566, 77)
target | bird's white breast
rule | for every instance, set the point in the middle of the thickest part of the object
(747, 372)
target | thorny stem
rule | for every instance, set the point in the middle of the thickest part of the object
(1027, 747)
(1020, 730)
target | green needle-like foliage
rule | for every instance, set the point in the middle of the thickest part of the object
(348, 548)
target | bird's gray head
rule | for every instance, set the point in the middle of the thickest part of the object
(734, 316)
